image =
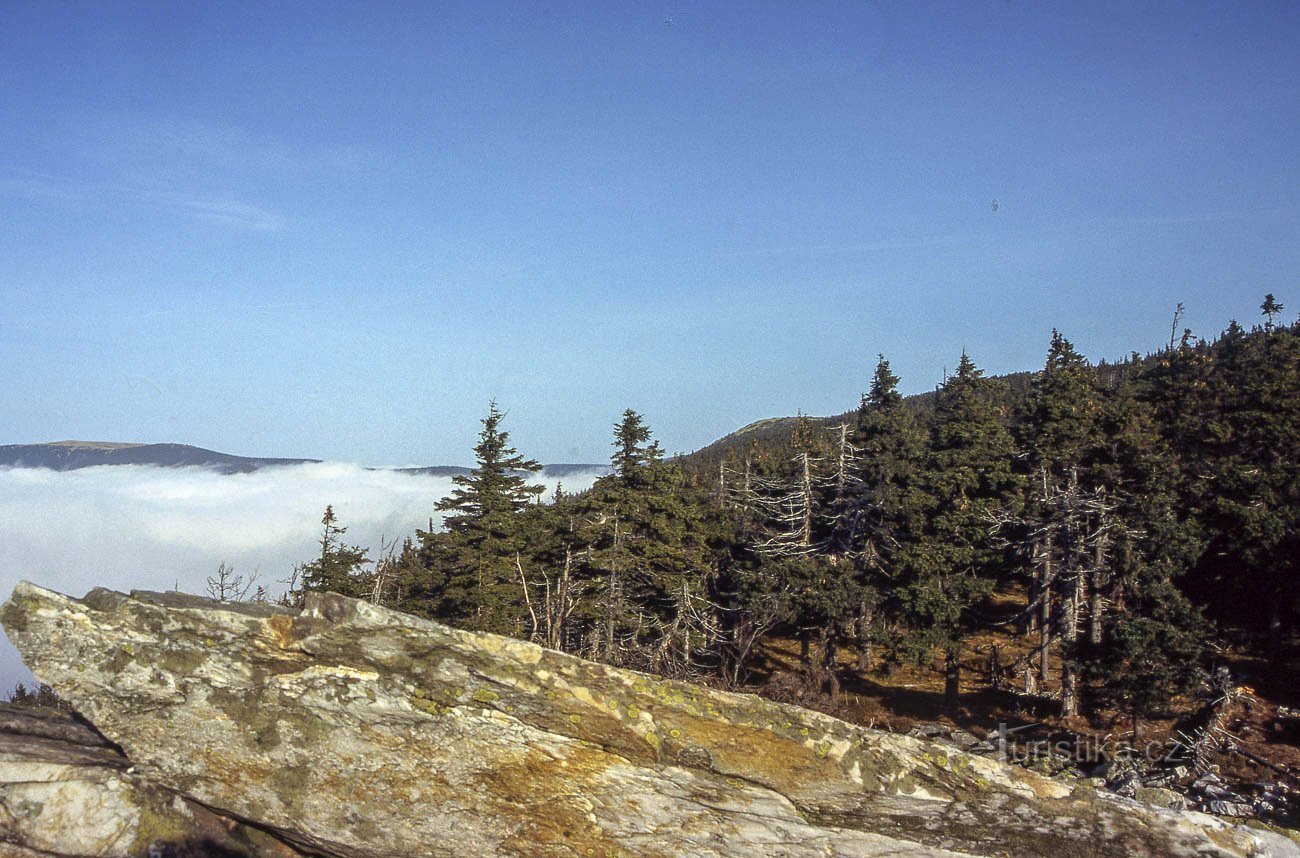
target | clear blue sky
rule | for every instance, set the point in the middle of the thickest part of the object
(336, 230)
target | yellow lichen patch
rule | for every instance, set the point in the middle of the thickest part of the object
(515, 650)
(764, 756)
(234, 770)
(483, 695)
(279, 629)
(583, 695)
(542, 799)
(421, 701)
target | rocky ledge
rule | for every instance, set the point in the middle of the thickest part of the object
(65, 790)
(347, 729)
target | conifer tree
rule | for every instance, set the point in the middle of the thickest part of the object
(477, 562)
(338, 568)
(1248, 497)
(1058, 430)
(634, 452)
(1270, 308)
(883, 514)
(967, 479)
(650, 538)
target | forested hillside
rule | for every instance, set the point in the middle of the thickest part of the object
(1123, 521)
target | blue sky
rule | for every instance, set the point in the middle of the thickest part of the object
(337, 230)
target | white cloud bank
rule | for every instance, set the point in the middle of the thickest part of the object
(131, 527)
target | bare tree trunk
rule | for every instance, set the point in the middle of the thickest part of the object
(829, 648)
(1029, 623)
(1095, 604)
(610, 595)
(1275, 625)
(864, 637)
(528, 599)
(1045, 616)
(683, 611)
(1069, 692)
(951, 681)
(1070, 634)
(805, 527)
(842, 466)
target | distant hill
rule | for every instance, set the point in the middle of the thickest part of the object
(74, 455)
(772, 435)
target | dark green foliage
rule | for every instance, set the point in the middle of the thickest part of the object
(498, 485)
(887, 502)
(1136, 494)
(634, 453)
(475, 565)
(1148, 657)
(1057, 422)
(1269, 309)
(339, 568)
(40, 696)
(1242, 475)
(967, 480)
(649, 557)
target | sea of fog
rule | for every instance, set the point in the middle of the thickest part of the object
(140, 527)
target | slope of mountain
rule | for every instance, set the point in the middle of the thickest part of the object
(773, 433)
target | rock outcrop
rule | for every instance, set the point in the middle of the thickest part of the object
(64, 790)
(348, 729)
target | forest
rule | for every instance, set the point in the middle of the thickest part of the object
(1130, 524)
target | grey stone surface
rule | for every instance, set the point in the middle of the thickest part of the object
(65, 792)
(349, 729)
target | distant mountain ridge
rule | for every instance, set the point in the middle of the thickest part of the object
(774, 433)
(75, 455)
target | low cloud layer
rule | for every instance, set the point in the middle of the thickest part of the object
(149, 528)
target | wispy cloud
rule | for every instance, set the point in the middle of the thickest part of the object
(219, 210)
(214, 172)
(20, 182)
(135, 527)
(157, 194)
(178, 144)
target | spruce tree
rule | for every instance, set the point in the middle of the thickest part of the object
(967, 480)
(1058, 430)
(651, 538)
(1249, 495)
(478, 561)
(338, 568)
(634, 452)
(885, 512)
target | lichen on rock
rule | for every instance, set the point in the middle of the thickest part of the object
(349, 729)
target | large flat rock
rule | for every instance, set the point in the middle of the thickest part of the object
(65, 791)
(348, 729)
